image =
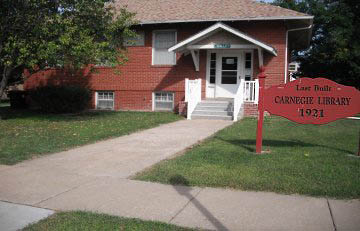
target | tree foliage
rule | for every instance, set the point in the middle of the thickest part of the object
(37, 34)
(334, 51)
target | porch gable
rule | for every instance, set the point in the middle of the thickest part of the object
(246, 40)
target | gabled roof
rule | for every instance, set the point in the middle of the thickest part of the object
(172, 11)
(215, 28)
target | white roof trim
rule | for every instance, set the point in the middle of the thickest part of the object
(182, 45)
(229, 19)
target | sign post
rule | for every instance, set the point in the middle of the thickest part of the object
(306, 101)
(261, 78)
(359, 145)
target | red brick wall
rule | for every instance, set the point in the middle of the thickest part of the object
(250, 110)
(137, 80)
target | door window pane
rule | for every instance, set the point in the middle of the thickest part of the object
(229, 63)
(229, 77)
(212, 68)
(248, 61)
(229, 70)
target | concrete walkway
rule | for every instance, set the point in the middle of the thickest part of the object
(14, 217)
(95, 178)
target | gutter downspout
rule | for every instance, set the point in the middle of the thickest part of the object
(286, 48)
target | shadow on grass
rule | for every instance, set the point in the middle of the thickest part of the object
(249, 145)
(7, 113)
(185, 191)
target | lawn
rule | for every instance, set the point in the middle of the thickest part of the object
(92, 221)
(26, 134)
(304, 159)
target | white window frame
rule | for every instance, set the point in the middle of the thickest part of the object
(97, 97)
(154, 103)
(153, 47)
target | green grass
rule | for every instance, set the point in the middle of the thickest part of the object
(91, 221)
(304, 159)
(26, 134)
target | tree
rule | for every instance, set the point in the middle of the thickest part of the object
(334, 50)
(38, 34)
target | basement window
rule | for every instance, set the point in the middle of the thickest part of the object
(163, 101)
(105, 100)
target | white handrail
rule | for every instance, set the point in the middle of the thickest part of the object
(251, 91)
(256, 91)
(192, 95)
(238, 100)
(248, 91)
(186, 89)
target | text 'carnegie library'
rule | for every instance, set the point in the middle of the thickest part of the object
(325, 100)
(322, 100)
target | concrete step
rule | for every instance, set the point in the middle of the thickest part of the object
(213, 108)
(211, 117)
(219, 109)
(217, 101)
(209, 112)
(214, 104)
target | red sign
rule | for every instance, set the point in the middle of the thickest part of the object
(306, 101)
(312, 101)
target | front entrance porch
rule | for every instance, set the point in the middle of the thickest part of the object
(229, 108)
(225, 71)
(229, 68)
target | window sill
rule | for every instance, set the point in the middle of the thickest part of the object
(163, 110)
(162, 66)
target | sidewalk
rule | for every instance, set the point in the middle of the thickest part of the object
(95, 178)
(208, 208)
(14, 217)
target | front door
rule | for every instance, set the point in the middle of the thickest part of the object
(228, 75)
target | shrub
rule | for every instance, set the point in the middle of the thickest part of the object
(61, 99)
(18, 99)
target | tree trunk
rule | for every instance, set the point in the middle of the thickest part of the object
(4, 80)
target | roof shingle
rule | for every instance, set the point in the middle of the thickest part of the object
(165, 11)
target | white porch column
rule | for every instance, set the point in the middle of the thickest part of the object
(261, 57)
(196, 58)
(186, 90)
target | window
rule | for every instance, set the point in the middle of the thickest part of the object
(229, 70)
(162, 41)
(164, 101)
(248, 66)
(248, 60)
(292, 67)
(139, 40)
(212, 68)
(105, 100)
(103, 63)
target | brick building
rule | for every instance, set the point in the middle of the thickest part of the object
(221, 42)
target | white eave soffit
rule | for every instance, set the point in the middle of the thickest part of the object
(205, 33)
